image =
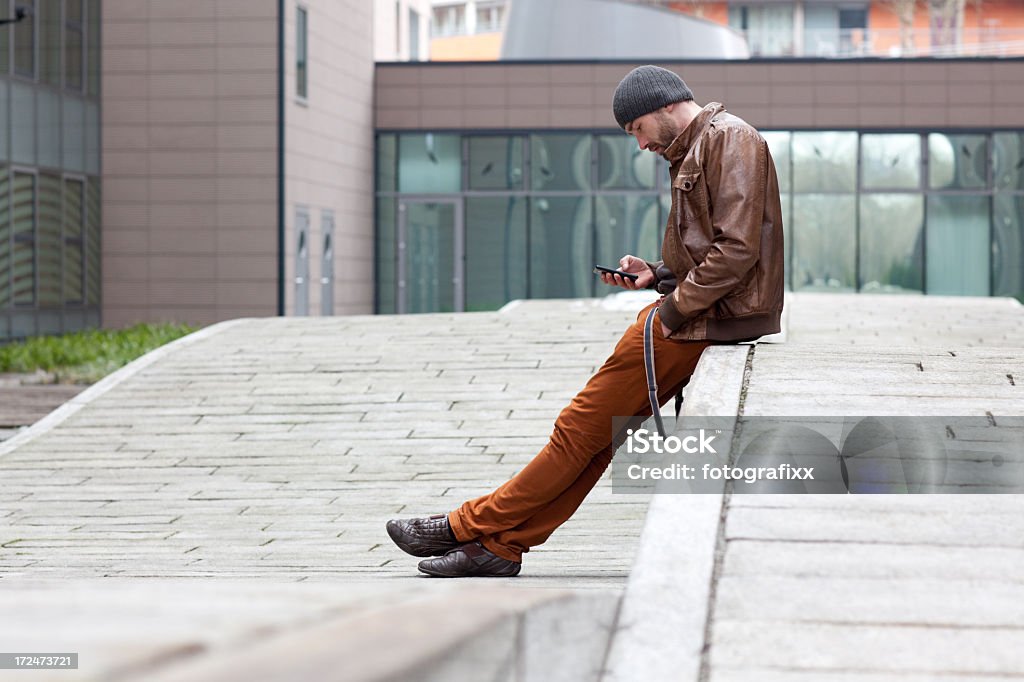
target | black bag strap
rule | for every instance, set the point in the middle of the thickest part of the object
(652, 379)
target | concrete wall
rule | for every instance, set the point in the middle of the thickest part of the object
(329, 150)
(189, 114)
(391, 38)
(921, 94)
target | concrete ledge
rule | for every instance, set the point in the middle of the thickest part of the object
(661, 628)
(472, 633)
(62, 413)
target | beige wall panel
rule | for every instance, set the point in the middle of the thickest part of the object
(958, 93)
(189, 156)
(329, 144)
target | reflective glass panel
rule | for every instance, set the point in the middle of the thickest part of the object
(560, 247)
(891, 246)
(387, 155)
(48, 128)
(824, 162)
(23, 124)
(92, 244)
(560, 162)
(49, 42)
(92, 138)
(429, 163)
(387, 256)
(49, 240)
(495, 251)
(429, 257)
(74, 134)
(23, 220)
(5, 239)
(1008, 160)
(625, 224)
(73, 231)
(621, 164)
(891, 161)
(25, 40)
(957, 161)
(4, 119)
(958, 250)
(824, 242)
(496, 162)
(5, 51)
(93, 56)
(778, 145)
(1008, 245)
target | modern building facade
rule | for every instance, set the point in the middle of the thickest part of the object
(511, 180)
(50, 183)
(237, 143)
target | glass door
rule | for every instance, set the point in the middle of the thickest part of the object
(430, 256)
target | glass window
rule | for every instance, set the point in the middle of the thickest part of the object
(958, 249)
(414, 35)
(891, 161)
(1008, 246)
(496, 162)
(92, 137)
(429, 163)
(23, 124)
(92, 245)
(93, 42)
(23, 265)
(48, 128)
(1008, 160)
(560, 247)
(4, 119)
(621, 164)
(824, 162)
(74, 133)
(429, 257)
(301, 53)
(560, 162)
(387, 256)
(74, 229)
(49, 42)
(495, 251)
(49, 240)
(5, 240)
(957, 161)
(625, 224)
(25, 40)
(449, 20)
(74, 45)
(387, 156)
(778, 146)
(489, 17)
(824, 242)
(891, 248)
(5, 47)
(768, 28)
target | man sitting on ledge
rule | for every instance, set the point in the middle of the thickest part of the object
(723, 246)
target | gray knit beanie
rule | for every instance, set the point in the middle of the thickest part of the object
(646, 89)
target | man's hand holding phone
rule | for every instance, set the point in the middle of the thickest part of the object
(630, 265)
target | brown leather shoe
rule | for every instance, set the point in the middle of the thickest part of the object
(430, 536)
(470, 560)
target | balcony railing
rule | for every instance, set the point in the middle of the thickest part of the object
(850, 43)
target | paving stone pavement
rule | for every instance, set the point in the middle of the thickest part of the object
(279, 447)
(866, 588)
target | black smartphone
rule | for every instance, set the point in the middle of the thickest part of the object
(598, 269)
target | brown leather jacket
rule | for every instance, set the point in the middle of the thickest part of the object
(723, 242)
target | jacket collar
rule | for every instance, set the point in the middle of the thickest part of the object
(680, 146)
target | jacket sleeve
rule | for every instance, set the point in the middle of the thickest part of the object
(653, 267)
(735, 170)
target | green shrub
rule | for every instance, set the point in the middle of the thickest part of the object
(85, 357)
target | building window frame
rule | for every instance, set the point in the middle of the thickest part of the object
(302, 53)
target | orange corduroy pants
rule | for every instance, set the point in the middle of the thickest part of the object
(524, 512)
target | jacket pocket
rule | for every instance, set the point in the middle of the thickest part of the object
(692, 195)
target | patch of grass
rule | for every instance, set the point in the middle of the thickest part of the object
(88, 356)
